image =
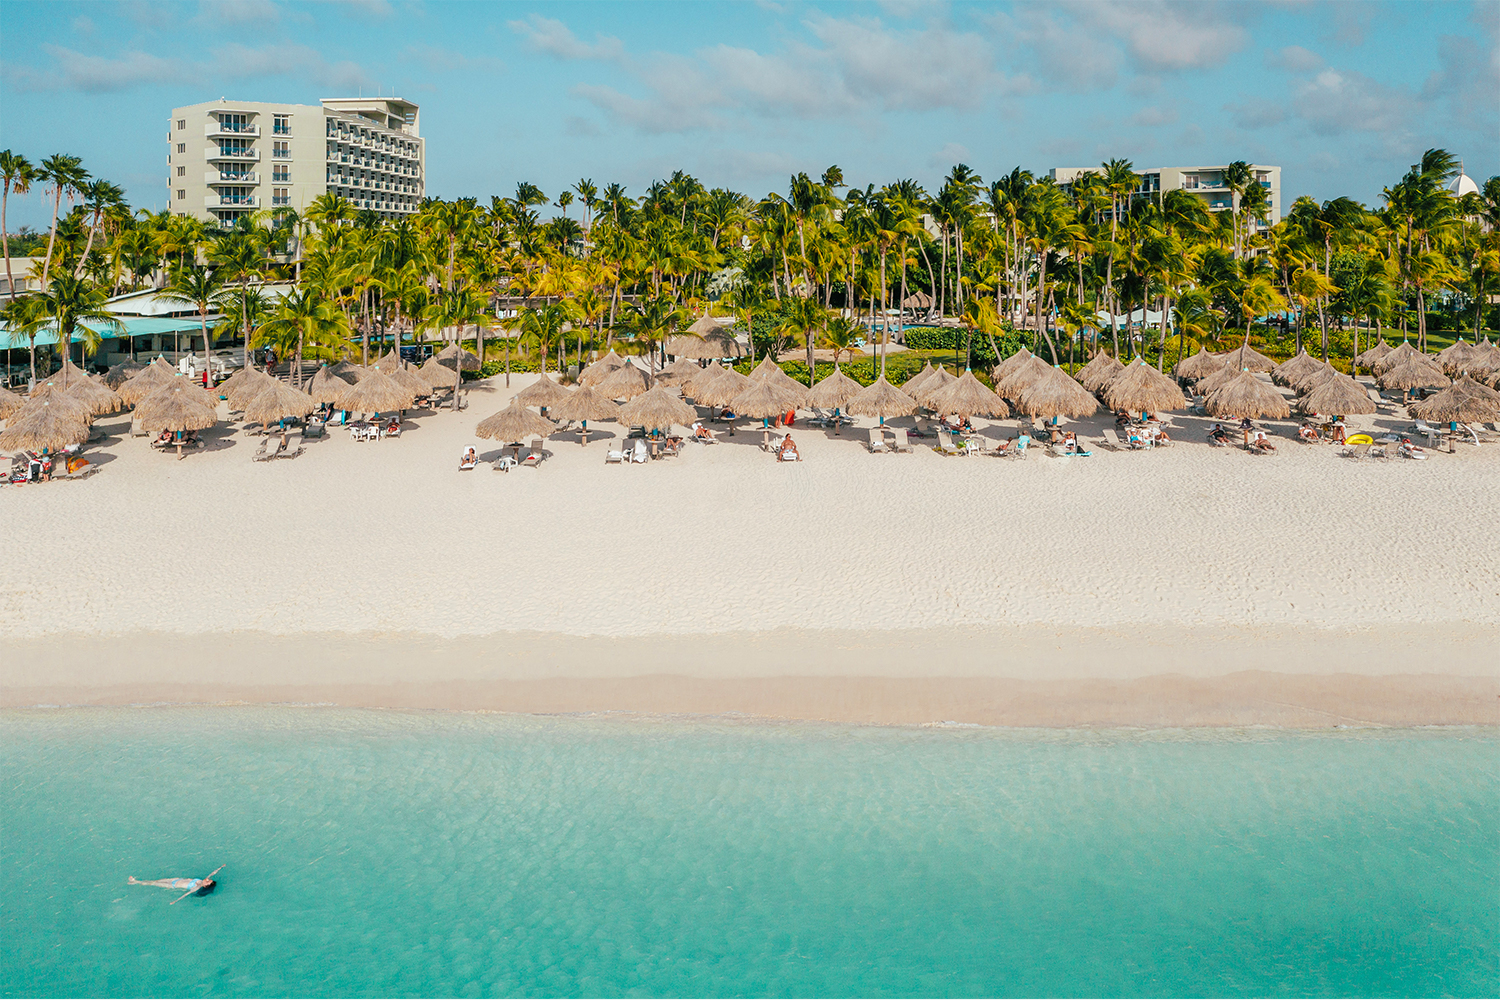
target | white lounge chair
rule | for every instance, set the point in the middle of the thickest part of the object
(534, 453)
(945, 444)
(641, 455)
(1112, 440)
(901, 443)
(615, 454)
(877, 439)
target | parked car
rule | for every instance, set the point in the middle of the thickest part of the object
(415, 354)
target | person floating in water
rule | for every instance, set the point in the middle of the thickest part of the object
(192, 886)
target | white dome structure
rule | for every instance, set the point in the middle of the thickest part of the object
(1462, 185)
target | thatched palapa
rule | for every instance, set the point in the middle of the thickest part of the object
(596, 371)
(1456, 356)
(455, 358)
(1142, 389)
(1246, 396)
(1218, 380)
(514, 423)
(9, 402)
(585, 403)
(1416, 372)
(175, 408)
(53, 423)
(328, 386)
(1056, 395)
(144, 383)
(1339, 396)
(435, 374)
(625, 382)
(1247, 358)
(1367, 358)
(93, 396)
(374, 393)
(911, 385)
(678, 372)
(720, 389)
(766, 399)
(881, 399)
(658, 409)
(390, 366)
(542, 392)
(1003, 369)
(1310, 380)
(966, 396)
(1097, 373)
(277, 401)
(939, 380)
(247, 388)
(1466, 401)
(1200, 365)
(717, 344)
(833, 391)
(1021, 377)
(1401, 354)
(120, 373)
(701, 379)
(1288, 372)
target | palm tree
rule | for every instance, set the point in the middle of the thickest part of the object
(23, 316)
(67, 176)
(801, 319)
(100, 197)
(652, 319)
(840, 335)
(237, 258)
(1121, 181)
(18, 175)
(306, 323)
(66, 303)
(202, 288)
(1258, 296)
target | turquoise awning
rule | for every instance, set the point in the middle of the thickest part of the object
(132, 326)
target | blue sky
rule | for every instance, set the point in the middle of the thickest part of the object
(1344, 96)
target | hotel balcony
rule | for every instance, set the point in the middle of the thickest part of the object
(220, 128)
(234, 155)
(214, 177)
(231, 201)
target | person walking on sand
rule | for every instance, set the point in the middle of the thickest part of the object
(191, 886)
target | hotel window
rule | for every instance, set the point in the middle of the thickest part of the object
(182, 147)
(280, 172)
(281, 124)
(181, 124)
(181, 194)
(281, 150)
(278, 197)
(182, 171)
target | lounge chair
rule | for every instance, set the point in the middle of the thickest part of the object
(785, 453)
(261, 454)
(1022, 444)
(945, 444)
(314, 429)
(615, 454)
(1356, 451)
(1112, 440)
(534, 453)
(901, 443)
(640, 456)
(877, 439)
(703, 434)
(468, 459)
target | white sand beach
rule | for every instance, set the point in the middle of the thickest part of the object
(381, 564)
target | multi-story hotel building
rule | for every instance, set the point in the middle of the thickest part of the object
(1207, 183)
(229, 158)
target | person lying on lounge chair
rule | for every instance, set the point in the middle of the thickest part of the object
(1307, 432)
(1260, 442)
(788, 450)
(1218, 435)
(702, 433)
(469, 458)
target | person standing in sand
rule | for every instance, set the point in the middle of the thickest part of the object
(191, 886)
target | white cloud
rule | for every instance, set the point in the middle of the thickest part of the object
(1258, 112)
(436, 59)
(238, 12)
(84, 25)
(556, 39)
(1152, 117)
(77, 71)
(1294, 59)
(950, 154)
(1166, 36)
(1335, 102)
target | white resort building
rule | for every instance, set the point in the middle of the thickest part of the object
(229, 158)
(1207, 183)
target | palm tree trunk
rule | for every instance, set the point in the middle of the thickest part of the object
(943, 289)
(5, 241)
(52, 235)
(1041, 285)
(884, 323)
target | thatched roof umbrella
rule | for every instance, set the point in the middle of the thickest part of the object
(1246, 396)
(1056, 395)
(1249, 359)
(277, 401)
(514, 423)
(1142, 389)
(658, 409)
(93, 396)
(915, 382)
(1400, 354)
(834, 391)
(1367, 358)
(1310, 380)
(719, 343)
(374, 393)
(765, 399)
(348, 371)
(52, 422)
(543, 392)
(719, 390)
(1100, 369)
(177, 408)
(1288, 372)
(1456, 356)
(1003, 369)
(881, 399)
(144, 383)
(583, 404)
(1200, 365)
(249, 387)
(1413, 373)
(1465, 401)
(939, 380)
(766, 369)
(678, 372)
(1218, 380)
(392, 369)
(701, 378)
(596, 371)
(455, 358)
(966, 397)
(9, 403)
(116, 376)
(625, 382)
(230, 385)
(435, 374)
(1486, 359)
(1339, 395)
(777, 377)
(327, 385)
(1021, 376)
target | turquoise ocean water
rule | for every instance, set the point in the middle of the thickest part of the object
(441, 854)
